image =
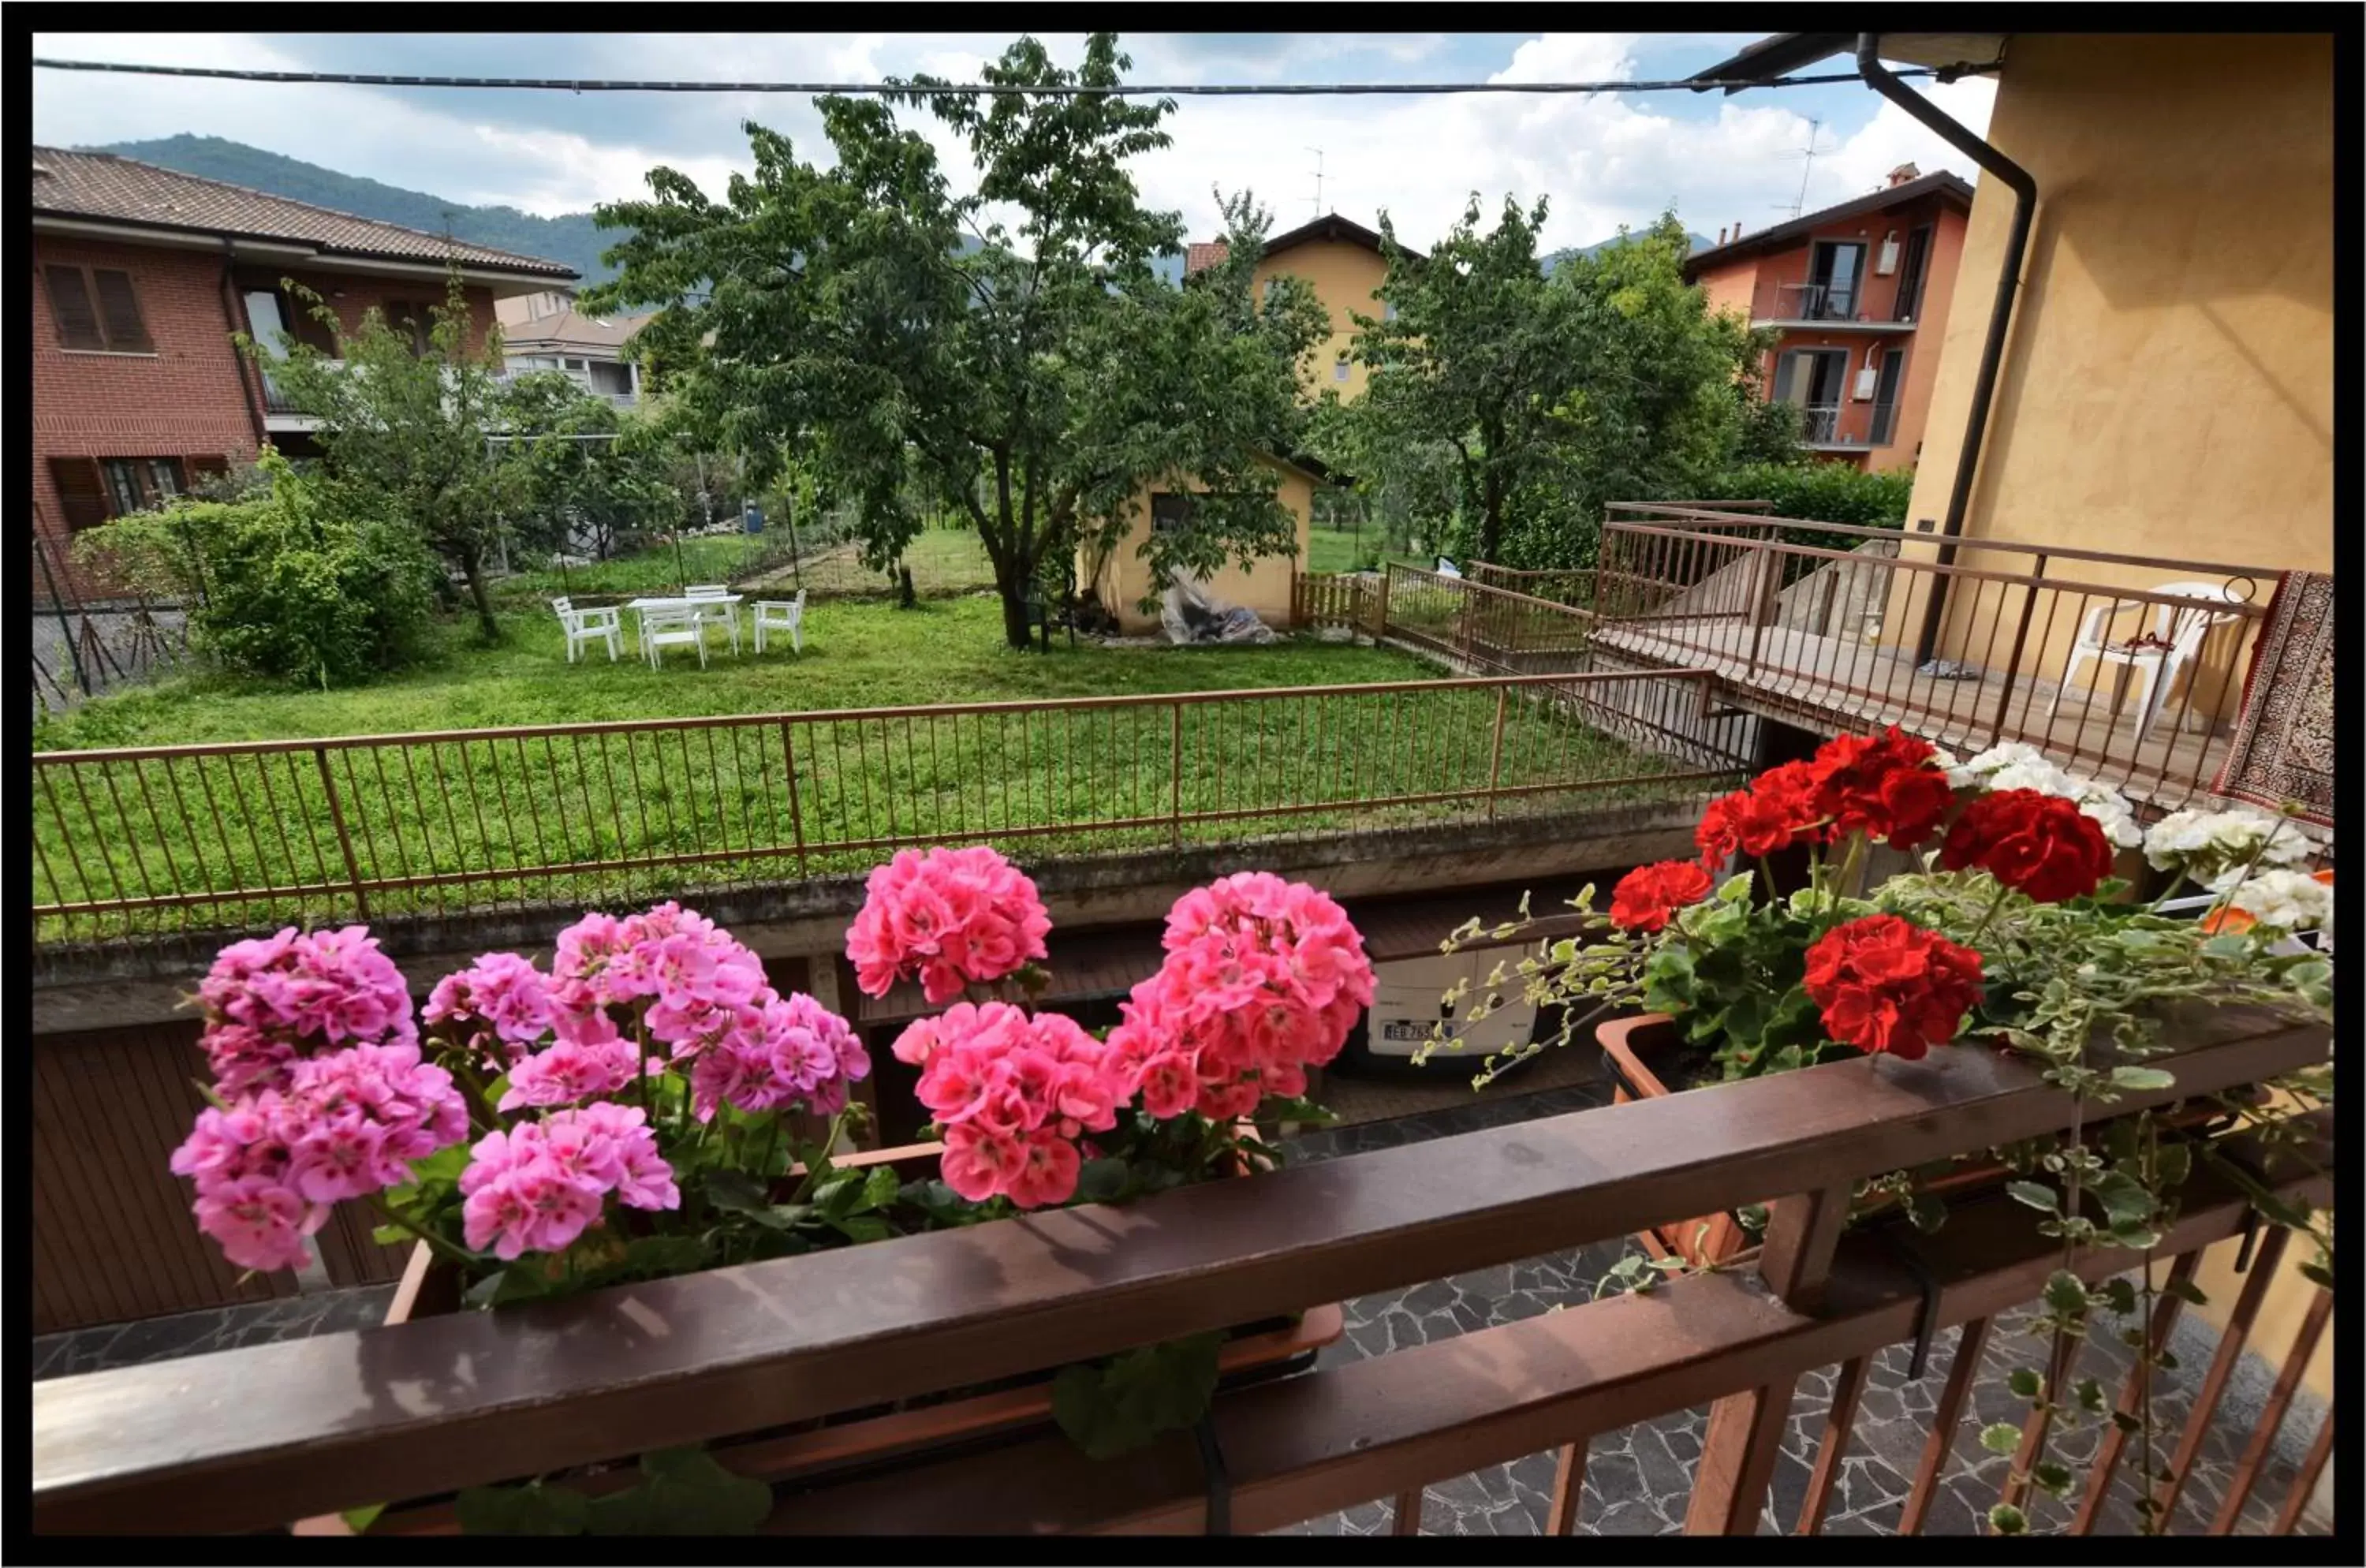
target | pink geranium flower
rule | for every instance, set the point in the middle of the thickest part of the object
(949, 919)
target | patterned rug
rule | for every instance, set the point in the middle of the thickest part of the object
(2284, 740)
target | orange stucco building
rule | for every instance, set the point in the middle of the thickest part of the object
(1858, 296)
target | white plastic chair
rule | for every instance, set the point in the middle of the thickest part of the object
(676, 626)
(588, 625)
(2177, 631)
(784, 615)
(716, 614)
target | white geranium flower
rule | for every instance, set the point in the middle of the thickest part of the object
(2289, 900)
(2004, 754)
(2111, 813)
(2205, 844)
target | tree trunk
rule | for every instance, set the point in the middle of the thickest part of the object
(472, 567)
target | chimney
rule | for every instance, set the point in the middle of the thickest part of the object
(1720, 236)
(1737, 229)
(1903, 174)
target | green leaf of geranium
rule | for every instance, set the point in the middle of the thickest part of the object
(880, 1187)
(2091, 1396)
(683, 1491)
(1734, 889)
(1101, 1180)
(2187, 1291)
(533, 1509)
(2006, 1519)
(2142, 1080)
(2002, 1437)
(2064, 1292)
(2052, 1479)
(2036, 1194)
(1111, 1407)
(359, 1520)
(2025, 1382)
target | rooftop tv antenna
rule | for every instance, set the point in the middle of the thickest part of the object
(1318, 180)
(1807, 156)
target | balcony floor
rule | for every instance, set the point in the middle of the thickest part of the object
(1843, 685)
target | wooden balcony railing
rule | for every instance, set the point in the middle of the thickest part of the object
(253, 1439)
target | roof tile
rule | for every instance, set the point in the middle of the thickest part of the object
(102, 185)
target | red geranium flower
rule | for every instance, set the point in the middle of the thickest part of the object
(1778, 809)
(1883, 786)
(1885, 984)
(1648, 896)
(2041, 844)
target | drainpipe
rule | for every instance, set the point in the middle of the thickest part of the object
(2016, 245)
(231, 314)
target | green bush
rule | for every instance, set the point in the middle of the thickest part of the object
(1824, 492)
(278, 584)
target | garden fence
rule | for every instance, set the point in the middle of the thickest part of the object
(176, 840)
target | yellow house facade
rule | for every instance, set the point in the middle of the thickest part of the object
(2167, 387)
(2167, 390)
(1342, 261)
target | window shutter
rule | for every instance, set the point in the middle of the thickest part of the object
(82, 494)
(70, 303)
(309, 329)
(118, 308)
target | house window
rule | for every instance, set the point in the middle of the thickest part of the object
(414, 319)
(97, 311)
(1837, 272)
(1168, 513)
(1885, 396)
(1339, 369)
(92, 490)
(1910, 274)
(1812, 377)
(1388, 310)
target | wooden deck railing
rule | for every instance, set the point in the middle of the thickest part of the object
(164, 840)
(255, 1438)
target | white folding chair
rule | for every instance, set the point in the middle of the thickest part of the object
(724, 615)
(587, 626)
(2175, 637)
(785, 615)
(679, 625)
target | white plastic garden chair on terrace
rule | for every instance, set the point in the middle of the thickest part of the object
(675, 626)
(724, 614)
(2156, 655)
(781, 615)
(588, 625)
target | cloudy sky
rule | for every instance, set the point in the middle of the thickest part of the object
(1604, 161)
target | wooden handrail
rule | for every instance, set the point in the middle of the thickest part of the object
(254, 1438)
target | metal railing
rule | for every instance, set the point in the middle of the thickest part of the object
(154, 842)
(1965, 654)
(1807, 303)
(1819, 424)
(755, 1360)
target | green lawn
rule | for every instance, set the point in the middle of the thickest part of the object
(1335, 549)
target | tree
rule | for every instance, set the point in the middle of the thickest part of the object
(404, 422)
(586, 470)
(1037, 380)
(1467, 371)
(280, 580)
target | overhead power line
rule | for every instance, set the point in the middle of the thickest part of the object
(989, 89)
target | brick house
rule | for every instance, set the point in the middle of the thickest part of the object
(1858, 296)
(143, 274)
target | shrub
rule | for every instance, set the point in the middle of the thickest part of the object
(278, 584)
(1826, 492)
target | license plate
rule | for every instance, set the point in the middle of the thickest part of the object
(1404, 1028)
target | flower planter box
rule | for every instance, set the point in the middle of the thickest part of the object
(911, 1431)
(1648, 1057)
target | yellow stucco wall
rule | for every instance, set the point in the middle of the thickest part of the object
(1345, 277)
(2168, 386)
(1264, 587)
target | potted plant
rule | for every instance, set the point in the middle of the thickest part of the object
(2009, 927)
(637, 1113)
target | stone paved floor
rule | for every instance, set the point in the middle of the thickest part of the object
(1637, 1480)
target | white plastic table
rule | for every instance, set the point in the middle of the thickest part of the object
(640, 608)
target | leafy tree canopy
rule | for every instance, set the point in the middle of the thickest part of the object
(1039, 379)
